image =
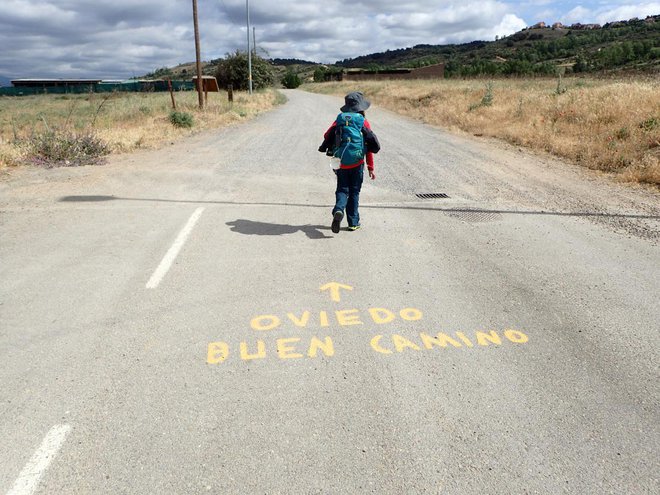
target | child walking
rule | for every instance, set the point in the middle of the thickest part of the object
(351, 140)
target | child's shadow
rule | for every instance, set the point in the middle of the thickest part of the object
(248, 227)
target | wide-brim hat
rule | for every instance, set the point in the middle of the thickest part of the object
(355, 102)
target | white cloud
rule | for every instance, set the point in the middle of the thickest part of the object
(610, 11)
(122, 38)
(510, 24)
(628, 11)
(578, 14)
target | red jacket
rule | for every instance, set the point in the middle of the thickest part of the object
(370, 156)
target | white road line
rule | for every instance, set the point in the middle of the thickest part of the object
(171, 255)
(29, 478)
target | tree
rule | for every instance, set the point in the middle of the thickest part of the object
(319, 74)
(322, 74)
(581, 63)
(291, 80)
(627, 52)
(452, 68)
(233, 69)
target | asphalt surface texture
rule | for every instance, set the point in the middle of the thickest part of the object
(184, 321)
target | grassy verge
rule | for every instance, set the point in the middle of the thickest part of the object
(53, 130)
(606, 125)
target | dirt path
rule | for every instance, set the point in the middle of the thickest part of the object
(414, 159)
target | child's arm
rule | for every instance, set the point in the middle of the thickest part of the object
(328, 140)
(370, 165)
(370, 155)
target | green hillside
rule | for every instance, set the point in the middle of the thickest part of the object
(625, 45)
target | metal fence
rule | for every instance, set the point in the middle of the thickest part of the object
(132, 86)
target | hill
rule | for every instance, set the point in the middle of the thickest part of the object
(540, 49)
(631, 46)
(5, 81)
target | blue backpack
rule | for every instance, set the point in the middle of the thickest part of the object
(350, 142)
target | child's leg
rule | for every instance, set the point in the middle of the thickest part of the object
(342, 191)
(354, 186)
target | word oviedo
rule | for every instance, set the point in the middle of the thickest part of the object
(312, 344)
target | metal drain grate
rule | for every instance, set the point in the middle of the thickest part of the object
(475, 216)
(431, 195)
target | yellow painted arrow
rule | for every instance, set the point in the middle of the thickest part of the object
(334, 289)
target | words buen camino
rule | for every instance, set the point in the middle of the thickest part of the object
(313, 346)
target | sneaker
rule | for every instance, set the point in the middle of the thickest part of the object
(353, 227)
(336, 220)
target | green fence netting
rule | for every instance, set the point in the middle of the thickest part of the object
(133, 86)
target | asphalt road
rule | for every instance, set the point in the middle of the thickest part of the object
(184, 321)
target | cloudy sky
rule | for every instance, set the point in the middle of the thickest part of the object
(117, 39)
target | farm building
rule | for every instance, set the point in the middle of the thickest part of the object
(53, 83)
(21, 87)
(436, 71)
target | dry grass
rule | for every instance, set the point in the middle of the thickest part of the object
(612, 126)
(125, 121)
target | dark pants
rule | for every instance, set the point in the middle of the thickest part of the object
(347, 195)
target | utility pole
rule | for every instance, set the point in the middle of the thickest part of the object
(254, 41)
(197, 53)
(249, 53)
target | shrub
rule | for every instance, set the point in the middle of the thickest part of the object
(650, 124)
(291, 80)
(280, 99)
(181, 119)
(623, 133)
(560, 89)
(486, 100)
(65, 149)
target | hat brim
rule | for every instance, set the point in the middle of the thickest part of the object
(357, 107)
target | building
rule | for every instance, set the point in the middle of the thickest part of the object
(54, 83)
(23, 87)
(436, 71)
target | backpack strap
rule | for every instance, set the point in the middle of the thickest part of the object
(370, 140)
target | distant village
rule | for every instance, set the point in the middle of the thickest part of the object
(584, 27)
